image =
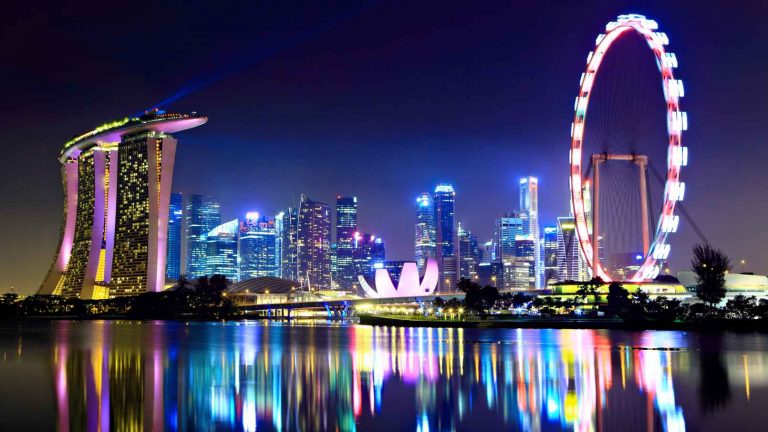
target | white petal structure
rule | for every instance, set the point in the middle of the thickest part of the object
(408, 285)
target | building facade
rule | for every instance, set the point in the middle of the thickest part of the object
(314, 244)
(346, 226)
(117, 185)
(469, 254)
(289, 256)
(425, 239)
(222, 250)
(444, 199)
(507, 227)
(549, 248)
(175, 219)
(258, 247)
(569, 264)
(529, 210)
(203, 215)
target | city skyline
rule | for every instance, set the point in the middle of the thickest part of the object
(311, 126)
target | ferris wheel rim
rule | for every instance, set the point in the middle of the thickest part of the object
(677, 155)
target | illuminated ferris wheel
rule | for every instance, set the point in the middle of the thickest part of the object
(586, 208)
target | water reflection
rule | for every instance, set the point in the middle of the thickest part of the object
(172, 376)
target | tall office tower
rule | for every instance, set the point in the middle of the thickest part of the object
(524, 264)
(550, 254)
(444, 198)
(469, 254)
(368, 250)
(487, 252)
(314, 244)
(117, 187)
(529, 206)
(221, 254)
(279, 236)
(203, 215)
(257, 247)
(173, 262)
(346, 226)
(508, 226)
(378, 254)
(569, 263)
(426, 231)
(289, 258)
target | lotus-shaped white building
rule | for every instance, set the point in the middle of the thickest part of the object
(409, 284)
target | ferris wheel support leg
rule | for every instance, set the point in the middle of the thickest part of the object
(642, 162)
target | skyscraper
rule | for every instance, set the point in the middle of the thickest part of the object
(369, 254)
(569, 263)
(258, 247)
(346, 226)
(378, 253)
(508, 226)
(529, 206)
(221, 254)
(175, 213)
(469, 254)
(443, 201)
(289, 256)
(524, 265)
(203, 215)
(117, 186)
(314, 244)
(279, 240)
(426, 232)
(550, 254)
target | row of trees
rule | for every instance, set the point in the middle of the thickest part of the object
(202, 299)
(709, 264)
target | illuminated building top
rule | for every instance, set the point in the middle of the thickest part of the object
(111, 133)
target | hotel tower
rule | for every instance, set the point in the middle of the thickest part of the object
(117, 187)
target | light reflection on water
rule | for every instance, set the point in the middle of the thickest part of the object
(176, 376)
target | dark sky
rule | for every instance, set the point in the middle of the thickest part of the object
(381, 100)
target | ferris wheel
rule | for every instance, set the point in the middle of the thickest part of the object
(586, 209)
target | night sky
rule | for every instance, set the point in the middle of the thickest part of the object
(381, 100)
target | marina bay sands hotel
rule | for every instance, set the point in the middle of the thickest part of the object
(117, 186)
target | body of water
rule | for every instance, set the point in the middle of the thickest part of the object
(175, 376)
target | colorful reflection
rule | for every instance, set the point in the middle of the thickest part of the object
(212, 377)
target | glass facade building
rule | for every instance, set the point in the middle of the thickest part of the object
(569, 264)
(550, 254)
(529, 210)
(314, 244)
(222, 250)
(203, 215)
(175, 219)
(443, 201)
(289, 256)
(258, 247)
(425, 240)
(469, 254)
(346, 226)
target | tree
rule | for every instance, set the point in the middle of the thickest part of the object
(590, 288)
(618, 299)
(520, 299)
(477, 299)
(710, 266)
(741, 307)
